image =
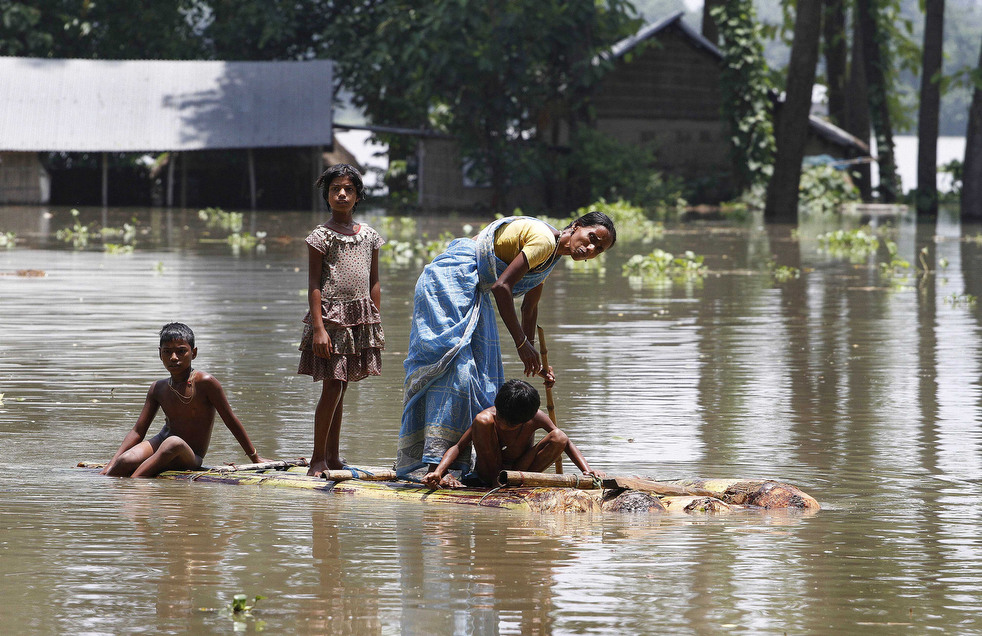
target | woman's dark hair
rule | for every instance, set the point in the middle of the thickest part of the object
(592, 219)
(176, 331)
(340, 170)
(517, 401)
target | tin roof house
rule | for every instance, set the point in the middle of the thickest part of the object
(187, 109)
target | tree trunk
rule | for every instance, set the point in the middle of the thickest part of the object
(791, 131)
(875, 61)
(710, 30)
(927, 117)
(857, 110)
(972, 169)
(836, 47)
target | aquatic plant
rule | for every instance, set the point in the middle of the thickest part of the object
(895, 270)
(396, 228)
(245, 240)
(239, 610)
(784, 273)
(115, 248)
(217, 218)
(824, 190)
(414, 253)
(240, 603)
(77, 234)
(7, 239)
(127, 233)
(955, 300)
(855, 244)
(662, 264)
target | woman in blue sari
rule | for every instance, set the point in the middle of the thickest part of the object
(453, 367)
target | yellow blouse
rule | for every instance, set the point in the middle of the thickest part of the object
(527, 236)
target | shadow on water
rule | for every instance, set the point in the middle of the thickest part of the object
(858, 380)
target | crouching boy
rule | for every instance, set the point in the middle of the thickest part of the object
(504, 438)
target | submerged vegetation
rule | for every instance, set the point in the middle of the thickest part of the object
(231, 222)
(662, 264)
(856, 244)
(414, 253)
(824, 189)
(77, 234)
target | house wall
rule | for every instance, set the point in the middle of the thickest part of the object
(441, 180)
(665, 95)
(23, 179)
(667, 77)
(442, 185)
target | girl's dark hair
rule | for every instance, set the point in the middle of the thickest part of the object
(517, 401)
(340, 170)
(176, 331)
(592, 219)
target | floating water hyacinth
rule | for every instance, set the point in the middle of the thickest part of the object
(217, 218)
(662, 263)
(854, 244)
(77, 234)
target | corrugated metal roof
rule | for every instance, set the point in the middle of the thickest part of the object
(153, 105)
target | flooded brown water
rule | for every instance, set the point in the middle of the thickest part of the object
(864, 392)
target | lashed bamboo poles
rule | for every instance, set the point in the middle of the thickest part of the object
(550, 405)
(545, 480)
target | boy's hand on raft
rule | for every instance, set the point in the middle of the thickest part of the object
(598, 474)
(434, 480)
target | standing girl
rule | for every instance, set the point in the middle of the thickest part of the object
(342, 338)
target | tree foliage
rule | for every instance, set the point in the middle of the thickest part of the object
(108, 29)
(746, 88)
(497, 76)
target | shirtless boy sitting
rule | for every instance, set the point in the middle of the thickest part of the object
(190, 398)
(503, 437)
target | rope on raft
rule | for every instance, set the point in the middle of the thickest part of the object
(489, 493)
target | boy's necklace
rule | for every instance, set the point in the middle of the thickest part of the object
(180, 396)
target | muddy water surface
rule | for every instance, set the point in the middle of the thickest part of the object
(862, 390)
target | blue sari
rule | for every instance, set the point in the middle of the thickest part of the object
(453, 368)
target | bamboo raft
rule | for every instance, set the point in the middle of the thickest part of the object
(534, 492)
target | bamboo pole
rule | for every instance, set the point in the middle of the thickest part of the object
(365, 475)
(234, 468)
(550, 405)
(524, 479)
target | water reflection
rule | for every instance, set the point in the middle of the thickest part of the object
(863, 390)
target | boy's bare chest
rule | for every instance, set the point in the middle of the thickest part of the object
(514, 443)
(183, 404)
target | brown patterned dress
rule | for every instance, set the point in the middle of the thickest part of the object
(350, 317)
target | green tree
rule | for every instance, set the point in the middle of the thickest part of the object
(497, 76)
(745, 88)
(263, 29)
(108, 29)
